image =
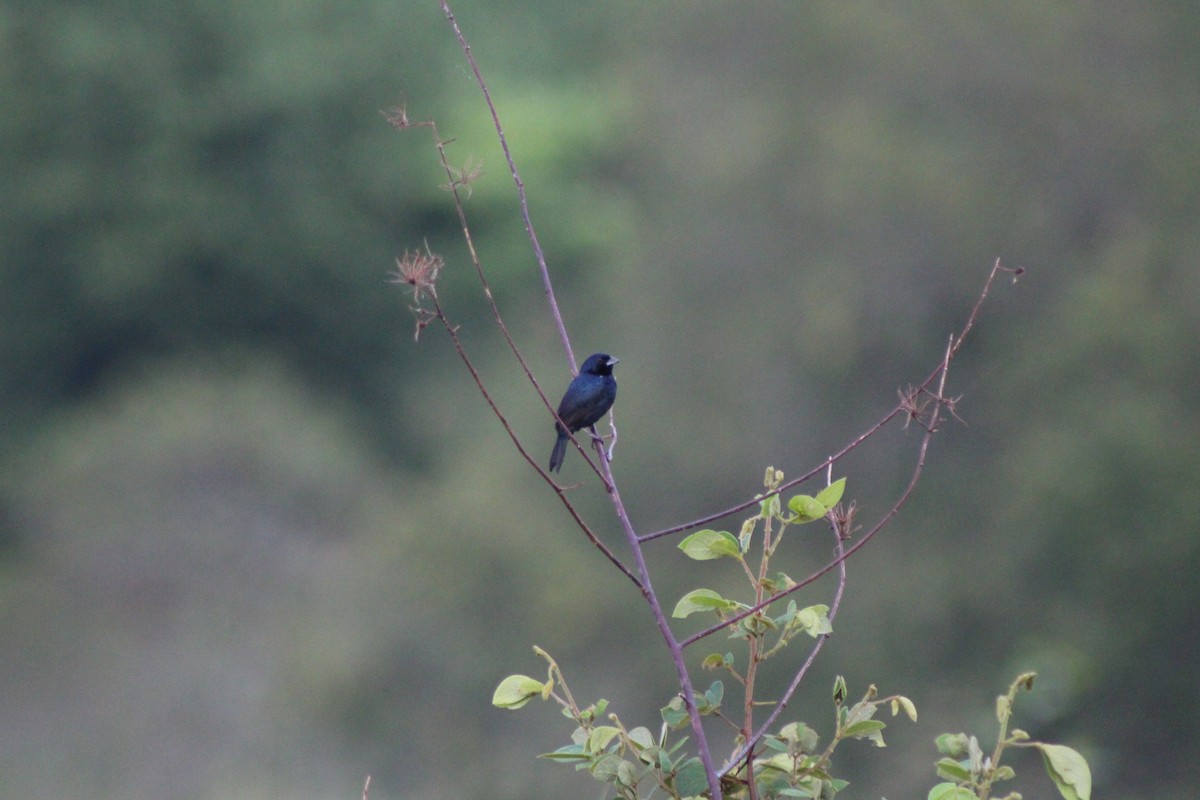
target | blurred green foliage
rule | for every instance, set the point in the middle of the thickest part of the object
(255, 543)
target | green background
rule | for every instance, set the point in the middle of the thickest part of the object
(255, 542)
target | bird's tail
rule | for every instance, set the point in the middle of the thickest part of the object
(560, 451)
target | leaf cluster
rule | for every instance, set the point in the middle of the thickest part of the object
(770, 761)
(971, 775)
(624, 758)
(635, 763)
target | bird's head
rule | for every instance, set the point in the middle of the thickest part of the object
(599, 364)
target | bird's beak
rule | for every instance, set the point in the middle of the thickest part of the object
(612, 362)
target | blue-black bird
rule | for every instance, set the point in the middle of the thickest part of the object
(588, 398)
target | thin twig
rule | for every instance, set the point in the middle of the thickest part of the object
(930, 429)
(833, 459)
(400, 120)
(664, 627)
(605, 471)
(899, 409)
(539, 255)
(745, 752)
(547, 286)
(462, 354)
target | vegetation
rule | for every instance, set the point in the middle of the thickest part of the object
(255, 544)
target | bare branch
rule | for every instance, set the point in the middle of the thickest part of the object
(919, 468)
(913, 405)
(745, 752)
(605, 470)
(420, 272)
(452, 331)
(547, 286)
(901, 408)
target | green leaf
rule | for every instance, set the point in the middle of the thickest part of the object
(706, 545)
(656, 754)
(770, 507)
(678, 745)
(808, 738)
(515, 691)
(649, 755)
(572, 752)
(1069, 771)
(839, 690)
(806, 508)
(690, 780)
(626, 773)
(1003, 773)
(815, 772)
(860, 711)
(952, 770)
(714, 695)
(952, 744)
(780, 761)
(642, 737)
(899, 702)
(802, 735)
(717, 661)
(747, 533)
(675, 713)
(599, 738)
(701, 600)
(781, 582)
(814, 620)
(607, 768)
(948, 791)
(754, 625)
(866, 729)
(831, 494)
(775, 743)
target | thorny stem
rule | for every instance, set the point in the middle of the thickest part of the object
(532, 234)
(643, 575)
(664, 627)
(556, 673)
(547, 286)
(399, 119)
(452, 331)
(907, 406)
(901, 408)
(755, 643)
(930, 429)
(696, 523)
(746, 752)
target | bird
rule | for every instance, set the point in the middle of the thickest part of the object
(587, 399)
